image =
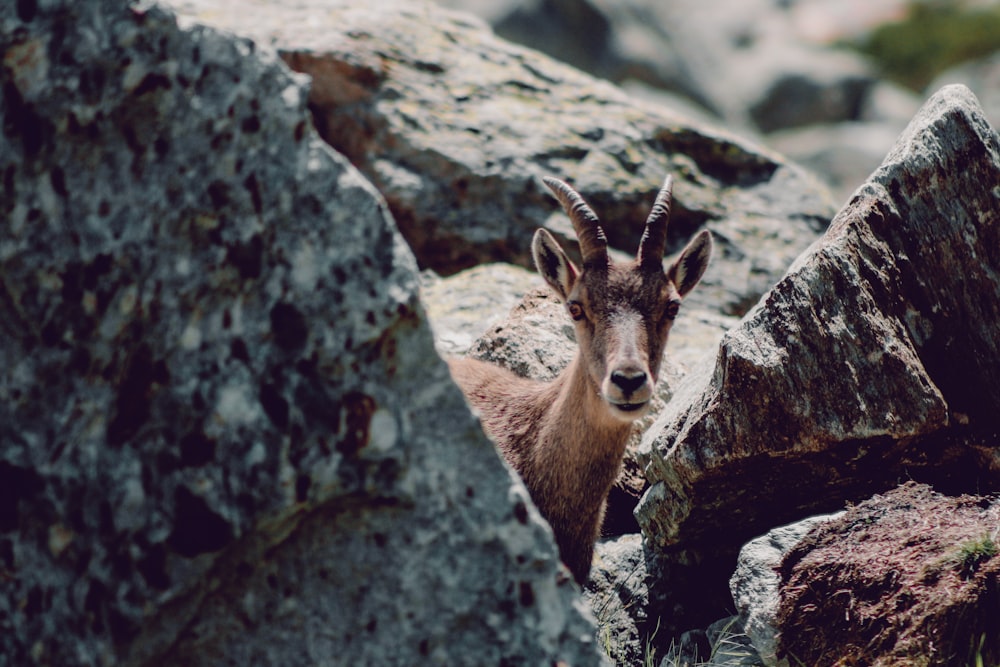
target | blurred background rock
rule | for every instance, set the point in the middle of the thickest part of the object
(830, 83)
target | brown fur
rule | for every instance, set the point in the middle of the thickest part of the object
(538, 430)
(566, 438)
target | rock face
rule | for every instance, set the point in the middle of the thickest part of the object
(874, 358)
(908, 577)
(455, 126)
(225, 437)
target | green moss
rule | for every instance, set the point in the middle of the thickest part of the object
(973, 553)
(935, 35)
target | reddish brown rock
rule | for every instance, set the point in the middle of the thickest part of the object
(908, 577)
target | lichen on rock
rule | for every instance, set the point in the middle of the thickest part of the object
(225, 436)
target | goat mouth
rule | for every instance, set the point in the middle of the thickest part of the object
(630, 407)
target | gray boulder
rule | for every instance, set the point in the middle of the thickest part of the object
(874, 358)
(619, 596)
(455, 126)
(755, 583)
(464, 306)
(225, 436)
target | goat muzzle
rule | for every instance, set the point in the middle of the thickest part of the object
(628, 392)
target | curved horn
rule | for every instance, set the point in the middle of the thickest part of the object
(593, 242)
(654, 237)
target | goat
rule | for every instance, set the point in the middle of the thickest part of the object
(566, 438)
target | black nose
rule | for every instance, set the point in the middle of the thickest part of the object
(628, 381)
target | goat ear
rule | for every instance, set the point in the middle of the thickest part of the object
(553, 264)
(692, 262)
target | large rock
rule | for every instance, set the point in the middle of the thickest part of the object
(455, 126)
(908, 577)
(875, 358)
(618, 594)
(225, 436)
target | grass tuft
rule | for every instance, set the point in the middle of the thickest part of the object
(974, 553)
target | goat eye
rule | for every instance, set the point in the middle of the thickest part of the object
(670, 312)
(575, 310)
